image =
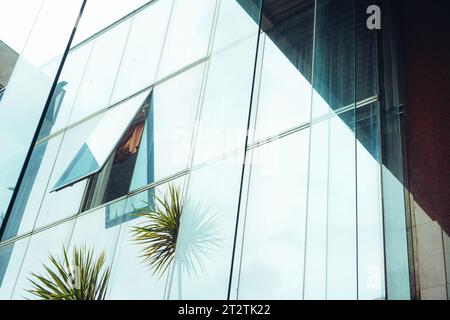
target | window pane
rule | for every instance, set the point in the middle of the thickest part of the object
(98, 147)
(204, 247)
(285, 94)
(66, 91)
(128, 265)
(32, 190)
(273, 244)
(99, 14)
(114, 178)
(30, 83)
(188, 35)
(64, 203)
(143, 51)
(167, 139)
(144, 155)
(98, 80)
(370, 221)
(226, 103)
(41, 245)
(331, 258)
(91, 230)
(11, 257)
(315, 256)
(285, 89)
(222, 129)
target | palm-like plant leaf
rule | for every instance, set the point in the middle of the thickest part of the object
(79, 278)
(159, 233)
(174, 226)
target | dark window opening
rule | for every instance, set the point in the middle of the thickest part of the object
(115, 178)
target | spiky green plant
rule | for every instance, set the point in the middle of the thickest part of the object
(159, 233)
(78, 278)
(175, 226)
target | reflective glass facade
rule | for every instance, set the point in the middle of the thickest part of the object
(271, 121)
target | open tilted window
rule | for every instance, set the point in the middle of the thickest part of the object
(109, 135)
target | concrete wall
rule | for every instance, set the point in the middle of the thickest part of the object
(8, 58)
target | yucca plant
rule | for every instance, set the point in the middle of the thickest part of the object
(175, 226)
(78, 278)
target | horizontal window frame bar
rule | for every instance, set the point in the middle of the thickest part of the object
(129, 15)
(104, 110)
(80, 214)
(305, 125)
(187, 171)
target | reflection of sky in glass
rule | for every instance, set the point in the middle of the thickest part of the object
(272, 265)
(273, 258)
(24, 24)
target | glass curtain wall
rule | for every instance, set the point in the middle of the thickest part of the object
(315, 155)
(73, 181)
(264, 115)
(25, 27)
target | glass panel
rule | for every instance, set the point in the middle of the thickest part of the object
(397, 265)
(205, 241)
(16, 24)
(66, 90)
(114, 179)
(27, 101)
(370, 222)
(56, 21)
(222, 129)
(331, 257)
(315, 255)
(99, 14)
(273, 245)
(91, 231)
(11, 257)
(167, 138)
(128, 266)
(224, 115)
(32, 190)
(144, 155)
(285, 94)
(285, 89)
(341, 274)
(392, 170)
(141, 58)
(64, 203)
(188, 35)
(98, 80)
(98, 147)
(41, 245)
(29, 85)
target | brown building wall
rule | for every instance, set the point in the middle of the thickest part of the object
(426, 62)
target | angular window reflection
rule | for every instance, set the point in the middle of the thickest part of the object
(155, 145)
(114, 179)
(98, 147)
